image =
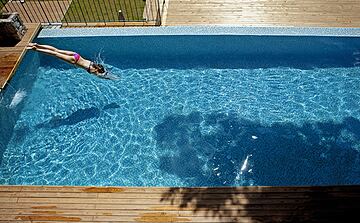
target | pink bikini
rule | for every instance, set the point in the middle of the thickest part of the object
(76, 57)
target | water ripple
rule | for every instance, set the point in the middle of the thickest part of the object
(76, 129)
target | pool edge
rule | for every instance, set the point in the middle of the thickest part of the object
(200, 30)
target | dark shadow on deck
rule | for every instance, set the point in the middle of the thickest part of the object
(268, 204)
(209, 150)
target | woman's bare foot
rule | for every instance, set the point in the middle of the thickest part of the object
(31, 46)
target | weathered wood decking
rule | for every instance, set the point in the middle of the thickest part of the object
(119, 204)
(11, 56)
(323, 13)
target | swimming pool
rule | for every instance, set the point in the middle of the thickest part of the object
(190, 109)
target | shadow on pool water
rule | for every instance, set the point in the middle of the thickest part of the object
(77, 116)
(223, 150)
(241, 152)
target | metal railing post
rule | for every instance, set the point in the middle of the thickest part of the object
(82, 13)
(8, 5)
(54, 10)
(27, 14)
(108, 10)
(151, 10)
(159, 12)
(76, 9)
(136, 10)
(122, 13)
(38, 13)
(44, 12)
(102, 14)
(133, 13)
(62, 13)
(30, 11)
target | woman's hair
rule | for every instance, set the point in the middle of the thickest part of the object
(100, 68)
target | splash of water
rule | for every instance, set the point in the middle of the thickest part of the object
(108, 74)
(240, 178)
(356, 55)
(99, 59)
(245, 164)
(1, 100)
(18, 97)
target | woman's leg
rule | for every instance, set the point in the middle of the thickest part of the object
(48, 47)
(67, 58)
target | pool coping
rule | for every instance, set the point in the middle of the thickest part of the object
(200, 30)
(18, 51)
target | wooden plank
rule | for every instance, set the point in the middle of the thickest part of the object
(205, 196)
(153, 217)
(252, 206)
(196, 190)
(329, 13)
(194, 201)
(41, 206)
(45, 194)
(8, 200)
(275, 209)
(10, 188)
(141, 204)
(45, 218)
(148, 195)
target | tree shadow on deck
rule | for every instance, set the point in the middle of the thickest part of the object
(212, 150)
(264, 204)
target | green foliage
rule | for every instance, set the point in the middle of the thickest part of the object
(104, 10)
(2, 3)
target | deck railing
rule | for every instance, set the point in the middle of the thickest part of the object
(87, 12)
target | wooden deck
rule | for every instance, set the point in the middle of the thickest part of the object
(319, 13)
(46, 11)
(117, 204)
(11, 56)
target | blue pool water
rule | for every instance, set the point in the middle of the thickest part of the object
(187, 111)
